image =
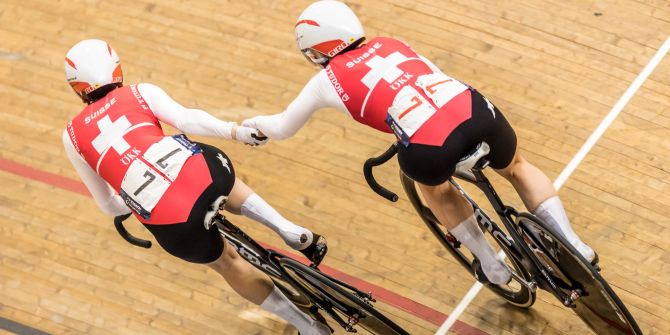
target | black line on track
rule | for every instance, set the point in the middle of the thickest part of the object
(18, 328)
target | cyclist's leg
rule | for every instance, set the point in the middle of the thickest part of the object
(194, 243)
(255, 286)
(431, 167)
(453, 210)
(534, 187)
(243, 200)
(539, 196)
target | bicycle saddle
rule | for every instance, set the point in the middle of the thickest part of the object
(465, 164)
(214, 208)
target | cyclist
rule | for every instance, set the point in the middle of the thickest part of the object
(386, 85)
(172, 185)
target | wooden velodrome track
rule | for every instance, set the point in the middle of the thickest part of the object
(555, 68)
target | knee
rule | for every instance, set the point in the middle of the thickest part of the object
(226, 260)
(513, 170)
(444, 191)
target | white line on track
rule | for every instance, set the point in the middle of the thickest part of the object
(572, 166)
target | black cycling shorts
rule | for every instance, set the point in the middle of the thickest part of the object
(433, 165)
(190, 240)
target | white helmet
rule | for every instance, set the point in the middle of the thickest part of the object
(326, 28)
(91, 64)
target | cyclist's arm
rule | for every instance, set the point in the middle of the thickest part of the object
(188, 120)
(318, 93)
(106, 198)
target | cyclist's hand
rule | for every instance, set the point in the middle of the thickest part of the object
(250, 136)
(254, 122)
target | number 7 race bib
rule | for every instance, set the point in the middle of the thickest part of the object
(148, 178)
(410, 110)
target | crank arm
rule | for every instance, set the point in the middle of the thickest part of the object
(532, 286)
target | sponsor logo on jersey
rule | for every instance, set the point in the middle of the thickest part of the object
(336, 84)
(130, 156)
(400, 82)
(100, 111)
(371, 51)
(139, 98)
(73, 137)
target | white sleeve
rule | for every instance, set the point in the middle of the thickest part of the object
(188, 120)
(103, 194)
(318, 93)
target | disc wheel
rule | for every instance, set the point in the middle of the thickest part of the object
(589, 295)
(355, 310)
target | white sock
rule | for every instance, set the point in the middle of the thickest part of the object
(551, 211)
(469, 233)
(293, 235)
(277, 303)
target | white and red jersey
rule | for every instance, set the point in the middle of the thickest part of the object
(387, 74)
(381, 83)
(117, 146)
(112, 132)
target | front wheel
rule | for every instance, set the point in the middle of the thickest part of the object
(585, 289)
(356, 310)
(514, 293)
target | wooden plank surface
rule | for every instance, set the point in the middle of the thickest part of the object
(555, 68)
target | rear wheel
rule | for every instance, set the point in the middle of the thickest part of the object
(585, 289)
(300, 300)
(353, 309)
(258, 258)
(514, 292)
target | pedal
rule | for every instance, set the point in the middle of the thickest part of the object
(478, 272)
(317, 250)
(451, 239)
(596, 262)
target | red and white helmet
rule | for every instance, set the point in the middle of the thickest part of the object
(91, 64)
(326, 28)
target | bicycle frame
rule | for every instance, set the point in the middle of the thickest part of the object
(266, 260)
(507, 214)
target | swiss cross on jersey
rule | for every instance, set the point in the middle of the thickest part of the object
(368, 78)
(111, 135)
(112, 132)
(388, 86)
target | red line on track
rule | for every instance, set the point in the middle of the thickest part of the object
(43, 176)
(412, 307)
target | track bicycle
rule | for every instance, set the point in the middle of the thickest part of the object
(308, 288)
(539, 256)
